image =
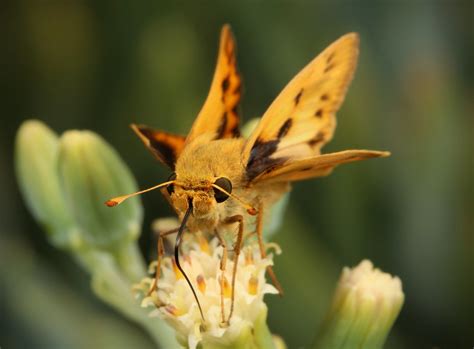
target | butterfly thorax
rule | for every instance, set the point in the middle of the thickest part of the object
(202, 162)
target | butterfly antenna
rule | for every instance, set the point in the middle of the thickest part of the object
(250, 209)
(119, 199)
(176, 255)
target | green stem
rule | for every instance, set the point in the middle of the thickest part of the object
(114, 288)
(130, 262)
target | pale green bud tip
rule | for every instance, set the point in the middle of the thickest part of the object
(366, 303)
(91, 172)
(278, 342)
(173, 300)
(250, 126)
(36, 156)
(65, 182)
(371, 283)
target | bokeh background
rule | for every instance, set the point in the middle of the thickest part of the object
(101, 65)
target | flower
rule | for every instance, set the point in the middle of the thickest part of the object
(365, 305)
(174, 302)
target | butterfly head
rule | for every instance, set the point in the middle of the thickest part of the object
(209, 173)
(204, 195)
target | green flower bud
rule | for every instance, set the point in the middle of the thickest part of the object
(366, 303)
(36, 157)
(249, 127)
(91, 172)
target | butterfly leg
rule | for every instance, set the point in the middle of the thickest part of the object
(223, 267)
(263, 252)
(159, 255)
(237, 248)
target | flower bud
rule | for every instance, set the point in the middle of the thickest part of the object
(36, 157)
(366, 303)
(91, 172)
(249, 127)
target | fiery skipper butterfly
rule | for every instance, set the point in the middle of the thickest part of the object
(220, 179)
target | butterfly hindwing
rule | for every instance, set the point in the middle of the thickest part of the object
(302, 118)
(316, 166)
(219, 115)
(165, 146)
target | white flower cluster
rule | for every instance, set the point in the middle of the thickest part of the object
(174, 302)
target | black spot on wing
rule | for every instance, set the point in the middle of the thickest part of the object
(225, 84)
(222, 126)
(298, 97)
(329, 68)
(238, 88)
(317, 139)
(162, 149)
(235, 132)
(330, 58)
(325, 97)
(285, 128)
(235, 110)
(319, 113)
(260, 158)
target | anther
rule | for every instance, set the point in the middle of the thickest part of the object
(176, 270)
(248, 257)
(226, 287)
(203, 244)
(201, 283)
(252, 287)
(170, 308)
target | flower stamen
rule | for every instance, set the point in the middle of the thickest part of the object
(177, 272)
(225, 287)
(201, 282)
(203, 244)
(248, 257)
(252, 287)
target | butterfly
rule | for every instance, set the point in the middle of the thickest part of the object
(221, 181)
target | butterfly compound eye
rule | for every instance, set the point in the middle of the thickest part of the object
(225, 184)
(170, 188)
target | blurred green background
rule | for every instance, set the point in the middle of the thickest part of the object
(101, 65)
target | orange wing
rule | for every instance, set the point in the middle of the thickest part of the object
(165, 146)
(317, 166)
(219, 115)
(303, 117)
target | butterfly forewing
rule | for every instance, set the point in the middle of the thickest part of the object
(219, 115)
(165, 146)
(302, 118)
